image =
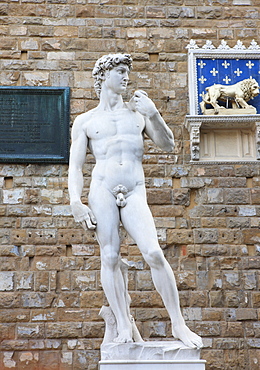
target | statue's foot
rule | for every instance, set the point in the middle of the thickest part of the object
(124, 337)
(187, 336)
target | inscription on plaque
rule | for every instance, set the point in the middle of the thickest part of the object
(34, 124)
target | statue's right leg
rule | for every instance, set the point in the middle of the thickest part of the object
(104, 207)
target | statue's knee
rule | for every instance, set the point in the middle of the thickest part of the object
(155, 258)
(109, 258)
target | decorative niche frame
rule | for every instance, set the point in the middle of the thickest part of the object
(223, 65)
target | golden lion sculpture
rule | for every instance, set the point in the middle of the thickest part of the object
(238, 94)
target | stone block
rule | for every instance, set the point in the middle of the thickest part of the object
(155, 329)
(41, 236)
(84, 280)
(29, 45)
(255, 196)
(146, 299)
(93, 330)
(251, 236)
(64, 280)
(14, 315)
(93, 263)
(159, 196)
(215, 196)
(61, 78)
(254, 359)
(181, 197)
(66, 360)
(92, 299)
(144, 281)
(186, 280)
(44, 315)
(167, 211)
(83, 250)
(237, 196)
(73, 314)
(192, 314)
(228, 343)
(64, 330)
(53, 251)
(18, 345)
(6, 281)
(67, 299)
(246, 314)
(192, 182)
(7, 331)
(250, 281)
(214, 222)
(24, 280)
(154, 314)
(231, 280)
(216, 298)
(71, 263)
(36, 78)
(209, 236)
(30, 330)
(133, 33)
(36, 300)
(19, 236)
(65, 31)
(83, 80)
(42, 281)
(13, 196)
(61, 55)
(212, 314)
(256, 299)
(49, 359)
(205, 328)
(180, 236)
(52, 196)
(233, 329)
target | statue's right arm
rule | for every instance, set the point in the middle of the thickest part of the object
(81, 212)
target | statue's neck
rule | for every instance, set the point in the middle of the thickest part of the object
(110, 101)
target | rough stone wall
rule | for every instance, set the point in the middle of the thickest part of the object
(208, 216)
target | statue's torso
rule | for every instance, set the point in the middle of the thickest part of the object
(116, 141)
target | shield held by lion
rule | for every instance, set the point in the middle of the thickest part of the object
(238, 94)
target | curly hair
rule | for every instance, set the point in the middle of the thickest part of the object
(106, 63)
(246, 87)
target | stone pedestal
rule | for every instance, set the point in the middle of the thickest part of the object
(163, 355)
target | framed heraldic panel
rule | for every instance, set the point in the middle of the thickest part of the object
(34, 124)
(216, 73)
(224, 100)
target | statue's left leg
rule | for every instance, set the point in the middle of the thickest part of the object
(138, 222)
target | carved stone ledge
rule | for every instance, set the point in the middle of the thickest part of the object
(195, 124)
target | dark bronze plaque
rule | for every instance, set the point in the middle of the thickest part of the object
(34, 124)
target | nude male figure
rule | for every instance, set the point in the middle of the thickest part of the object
(114, 133)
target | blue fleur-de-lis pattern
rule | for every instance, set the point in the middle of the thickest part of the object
(226, 72)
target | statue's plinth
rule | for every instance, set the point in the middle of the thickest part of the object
(222, 111)
(172, 355)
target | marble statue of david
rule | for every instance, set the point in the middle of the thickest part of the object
(114, 134)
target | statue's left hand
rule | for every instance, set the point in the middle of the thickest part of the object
(143, 104)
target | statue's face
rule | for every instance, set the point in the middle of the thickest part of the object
(117, 78)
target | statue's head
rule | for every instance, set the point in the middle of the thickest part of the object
(106, 63)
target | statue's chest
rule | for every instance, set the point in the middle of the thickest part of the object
(119, 123)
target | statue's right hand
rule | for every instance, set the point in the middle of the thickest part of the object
(83, 215)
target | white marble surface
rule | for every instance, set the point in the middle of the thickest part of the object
(153, 365)
(114, 133)
(152, 350)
